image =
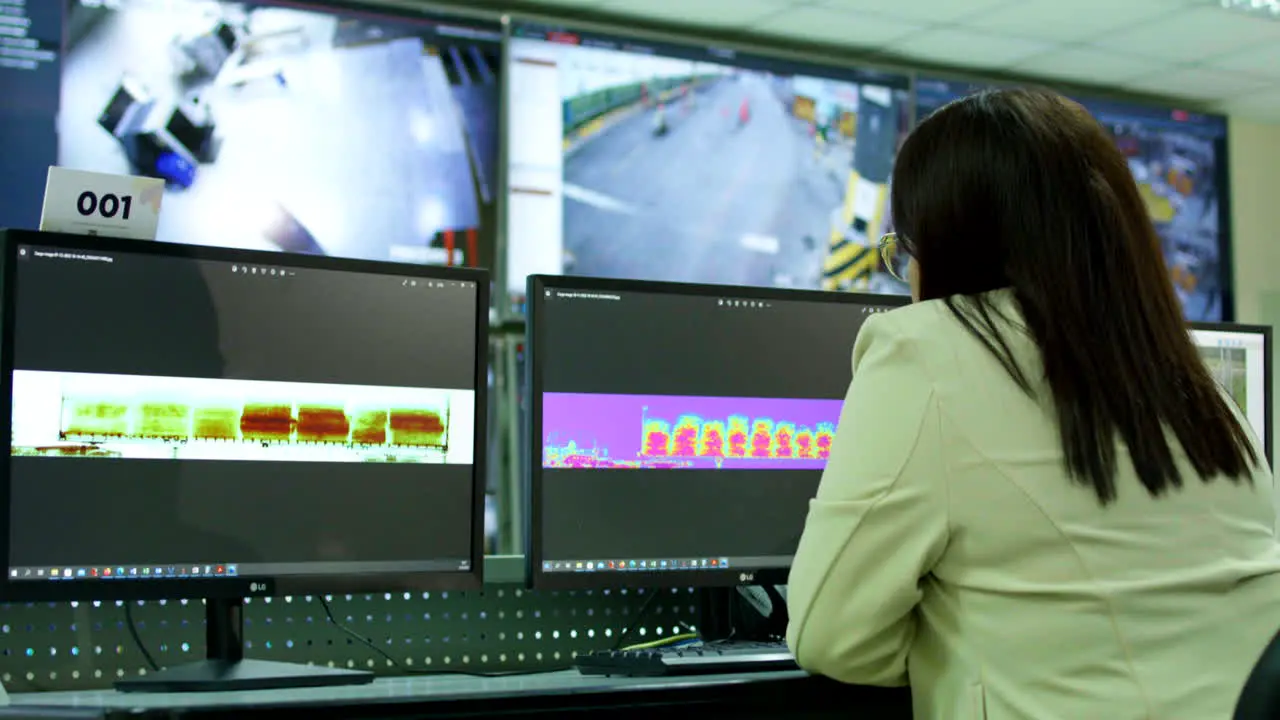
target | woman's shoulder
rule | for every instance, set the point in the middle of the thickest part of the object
(927, 321)
(933, 333)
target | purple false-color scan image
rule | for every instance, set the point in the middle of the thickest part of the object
(589, 430)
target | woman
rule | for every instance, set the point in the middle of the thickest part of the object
(1039, 504)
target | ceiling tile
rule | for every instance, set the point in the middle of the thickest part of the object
(1194, 33)
(967, 48)
(1195, 83)
(1086, 65)
(1263, 106)
(1072, 21)
(822, 24)
(1261, 60)
(924, 12)
(729, 14)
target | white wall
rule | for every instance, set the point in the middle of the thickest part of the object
(1255, 218)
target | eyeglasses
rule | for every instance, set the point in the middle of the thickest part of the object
(889, 254)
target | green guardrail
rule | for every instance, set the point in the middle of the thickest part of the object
(584, 108)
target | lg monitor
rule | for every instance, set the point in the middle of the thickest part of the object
(1239, 356)
(649, 160)
(1179, 159)
(297, 125)
(679, 431)
(192, 422)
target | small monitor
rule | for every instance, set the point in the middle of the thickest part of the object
(199, 422)
(1239, 356)
(679, 431)
(647, 160)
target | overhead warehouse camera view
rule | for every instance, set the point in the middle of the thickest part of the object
(1177, 159)
(356, 135)
(1177, 174)
(703, 171)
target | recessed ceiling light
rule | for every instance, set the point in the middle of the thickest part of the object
(1259, 8)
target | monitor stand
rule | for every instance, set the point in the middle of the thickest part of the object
(726, 616)
(225, 667)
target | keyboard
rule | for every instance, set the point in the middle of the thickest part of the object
(698, 659)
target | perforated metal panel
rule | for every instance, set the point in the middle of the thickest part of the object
(87, 645)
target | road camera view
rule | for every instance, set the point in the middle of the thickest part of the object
(675, 169)
(354, 135)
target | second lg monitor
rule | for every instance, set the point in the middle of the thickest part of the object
(644, 160)
(679, 431)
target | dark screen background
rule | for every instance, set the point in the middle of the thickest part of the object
(685, 345)
(157, 315)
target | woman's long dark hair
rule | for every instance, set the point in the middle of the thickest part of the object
(1023, 189)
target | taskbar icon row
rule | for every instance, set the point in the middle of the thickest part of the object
(674, 564)
(124, 572)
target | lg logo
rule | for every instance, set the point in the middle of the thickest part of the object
(746, 577)
(257, 587)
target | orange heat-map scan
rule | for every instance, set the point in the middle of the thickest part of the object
(215, 423)
(160, 420)
(268, 422)
(322, 424)
(422, 428)
(369, 428)
(103, 419)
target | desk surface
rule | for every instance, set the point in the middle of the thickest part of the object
(391, 691)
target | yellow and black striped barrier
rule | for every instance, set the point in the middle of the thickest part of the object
(852, 254)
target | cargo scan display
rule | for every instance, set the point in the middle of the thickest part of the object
(136, 417)
(586, 430)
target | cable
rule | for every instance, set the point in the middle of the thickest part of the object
(682, 639)
(328, 613)
(635, 620)
(732, 595)
(137, 639)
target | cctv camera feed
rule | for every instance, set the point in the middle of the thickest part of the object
(1179, 161)
(286, 126)
(1237, 361)
(662, 162)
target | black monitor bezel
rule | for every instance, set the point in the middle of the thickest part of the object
(240, 586)
(1265, 332)
(535, 289)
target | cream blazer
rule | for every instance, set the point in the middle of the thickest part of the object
(947, 548)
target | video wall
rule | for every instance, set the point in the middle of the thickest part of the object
(698, 164)
(275, 125)
(1179, 161)
(341, 130)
